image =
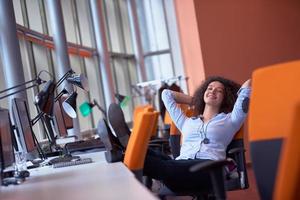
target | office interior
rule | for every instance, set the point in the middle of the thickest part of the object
(131, 47)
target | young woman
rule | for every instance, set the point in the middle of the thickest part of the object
(221, 106)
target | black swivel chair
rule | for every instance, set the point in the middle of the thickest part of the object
(223, 179)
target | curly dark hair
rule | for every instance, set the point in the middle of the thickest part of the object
(230, 94)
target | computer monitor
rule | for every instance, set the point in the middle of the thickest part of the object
(24, 128)
(67, 119)
(60, 119)
(6, 139)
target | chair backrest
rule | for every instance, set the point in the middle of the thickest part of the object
(288, 178)
(147, 107)
(275, 92)
(138, 142)
(139, 109)
(155, 125)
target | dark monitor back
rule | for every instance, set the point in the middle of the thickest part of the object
(23, 126)
(6, 139)
(60, 120)
(67, 119)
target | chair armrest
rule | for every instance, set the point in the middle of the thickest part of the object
(236, 150)
(155, 145)
(159, 141)
(215, 170)
(209, 165)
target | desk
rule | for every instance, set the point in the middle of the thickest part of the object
(97, 180)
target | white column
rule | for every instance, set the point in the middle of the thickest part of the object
(61, 50)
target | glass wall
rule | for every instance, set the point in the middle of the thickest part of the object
(155, 39)
(120, 46)
(37, 48)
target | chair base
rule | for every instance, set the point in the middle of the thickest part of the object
(113, 156)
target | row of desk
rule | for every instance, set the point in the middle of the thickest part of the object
(97, 180)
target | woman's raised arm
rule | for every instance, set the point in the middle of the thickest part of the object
(181, 98)
(247, 83)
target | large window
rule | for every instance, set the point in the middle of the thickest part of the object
(38, 54)
(155, 39)
(121, 50)
(37, 48)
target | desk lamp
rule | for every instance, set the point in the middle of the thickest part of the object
(86, 108)
(45, 99)
(123, 100)
(36, 82)
(69, 104)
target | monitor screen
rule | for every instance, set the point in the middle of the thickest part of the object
(23, 125)
(6, 137)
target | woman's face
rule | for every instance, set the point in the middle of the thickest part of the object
(214, 94)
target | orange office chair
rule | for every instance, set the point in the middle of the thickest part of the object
(138, 142)
(142, 108)
(115, 149)
(275, 95)
(139, 109)
(288, 178)
(155, 142)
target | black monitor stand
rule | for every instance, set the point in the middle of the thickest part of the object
(9, 175)
(23, 127)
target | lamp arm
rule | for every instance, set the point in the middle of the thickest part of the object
(16, 86)
(64, 91)
(36, 118)
(59, 82)
(23, 89)
(37, 80)
(99, 107)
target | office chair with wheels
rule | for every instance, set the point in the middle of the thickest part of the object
(226, 175)
(288, 178)
(275, 96)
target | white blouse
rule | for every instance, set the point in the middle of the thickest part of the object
(219, 130)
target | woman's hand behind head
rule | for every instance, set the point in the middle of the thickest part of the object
(247, 83)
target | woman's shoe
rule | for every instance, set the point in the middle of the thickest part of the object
(117, 121)
(114, 150)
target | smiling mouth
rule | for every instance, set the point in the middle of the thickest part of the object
(211, 96)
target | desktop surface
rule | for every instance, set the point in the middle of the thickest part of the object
(97, 180)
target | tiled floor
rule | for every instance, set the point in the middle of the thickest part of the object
(249, 194)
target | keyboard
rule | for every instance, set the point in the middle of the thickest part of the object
(63, 159)
(72, 163)
(84, 145)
